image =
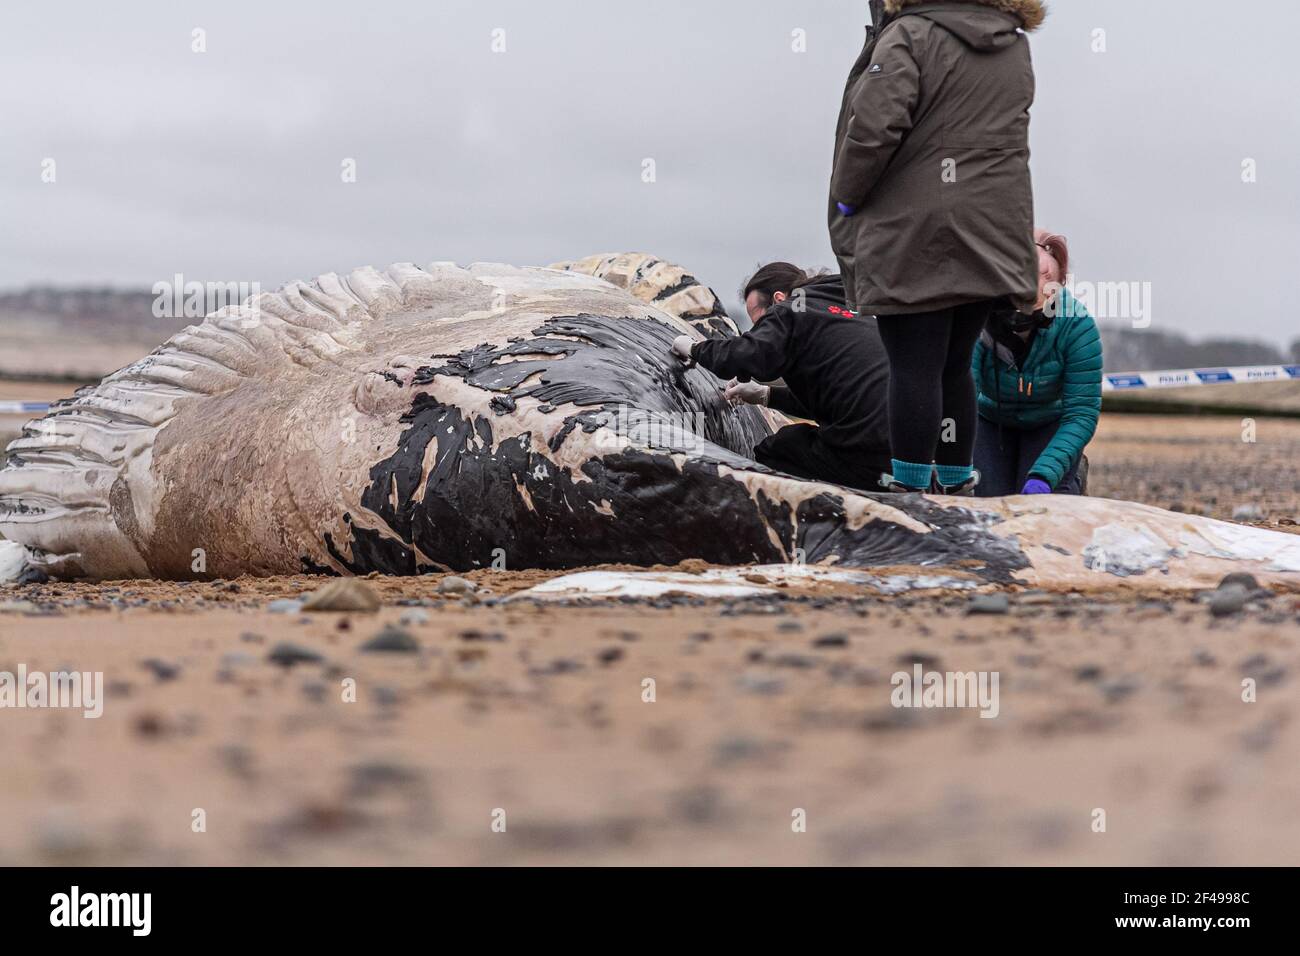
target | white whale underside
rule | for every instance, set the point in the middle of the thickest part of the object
(249, 443)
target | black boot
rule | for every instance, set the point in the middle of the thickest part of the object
(889, 483)
(963, 489)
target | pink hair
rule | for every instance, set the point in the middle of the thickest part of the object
(1056, 247)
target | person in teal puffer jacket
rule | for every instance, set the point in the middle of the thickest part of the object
(1039, 382)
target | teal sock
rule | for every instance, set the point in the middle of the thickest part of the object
(950, 475)
(911, 474)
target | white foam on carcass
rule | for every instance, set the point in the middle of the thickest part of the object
(13, 558)
(1122, 550)
(1133, 549)
(1244, 543)
(729, 582)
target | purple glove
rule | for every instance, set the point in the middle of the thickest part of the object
(1036, 486)
(845, 209)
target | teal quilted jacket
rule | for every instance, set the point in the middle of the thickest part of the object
(1060, 382)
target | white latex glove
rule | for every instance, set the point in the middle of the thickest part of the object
(682, 347)
(751, 393)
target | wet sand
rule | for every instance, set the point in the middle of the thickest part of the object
(534, 713)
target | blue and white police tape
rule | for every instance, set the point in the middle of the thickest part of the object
(1184, 377)
(22, 408)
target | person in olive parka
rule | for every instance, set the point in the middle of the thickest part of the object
(931, 214)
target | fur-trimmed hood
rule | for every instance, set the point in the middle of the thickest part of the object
(1030, 13)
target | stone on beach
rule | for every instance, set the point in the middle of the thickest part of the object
(343, 594)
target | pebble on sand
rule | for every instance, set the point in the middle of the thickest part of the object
(831, 640)
(988, 604)
(453, 584)
(1241, 578)
(1263, 669)
(1229, 600)
(391, 640)
(609, 655)
(161, 669)
(342, 594)
(287, 655)
(1249, 512)
(760, 684)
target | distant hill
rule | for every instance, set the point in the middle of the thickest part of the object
(93, 305)
(80, 333)
(1139, 350)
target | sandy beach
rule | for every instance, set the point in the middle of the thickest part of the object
(762, 708)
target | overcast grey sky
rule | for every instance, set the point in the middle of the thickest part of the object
(225, 165)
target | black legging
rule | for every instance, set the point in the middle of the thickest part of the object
(930, 381)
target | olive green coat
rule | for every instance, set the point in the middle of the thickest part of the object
(932, 148)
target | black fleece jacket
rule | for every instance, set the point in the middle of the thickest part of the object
(833, 363)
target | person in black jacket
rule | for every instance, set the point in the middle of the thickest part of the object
(835, 373)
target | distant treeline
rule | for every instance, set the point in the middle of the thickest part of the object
(90, 304)
(119, 307)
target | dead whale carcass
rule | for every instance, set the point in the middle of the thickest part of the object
(451, 418)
